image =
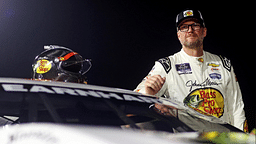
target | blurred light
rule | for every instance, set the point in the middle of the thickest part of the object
(9, 13)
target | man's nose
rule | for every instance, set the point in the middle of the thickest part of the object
(190, 29)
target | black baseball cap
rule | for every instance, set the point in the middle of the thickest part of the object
(189, 13)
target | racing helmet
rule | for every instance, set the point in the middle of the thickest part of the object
(58, 63)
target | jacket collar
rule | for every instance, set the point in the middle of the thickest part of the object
(192, 59)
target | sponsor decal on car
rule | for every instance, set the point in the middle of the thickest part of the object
(208, 101)
(78, 92)
(35, 136)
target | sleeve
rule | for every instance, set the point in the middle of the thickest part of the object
(235, 102)
(158, 69)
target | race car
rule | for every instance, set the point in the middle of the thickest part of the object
(35, 104)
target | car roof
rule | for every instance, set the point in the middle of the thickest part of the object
(59, 102)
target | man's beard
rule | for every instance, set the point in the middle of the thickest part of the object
(193, 45)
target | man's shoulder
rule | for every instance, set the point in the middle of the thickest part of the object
(226, 63)
(167, 61)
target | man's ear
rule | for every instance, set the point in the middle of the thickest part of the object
(178, 34)
(205, 31)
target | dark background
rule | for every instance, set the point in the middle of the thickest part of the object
(124, 38)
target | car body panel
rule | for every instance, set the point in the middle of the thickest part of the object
(30, 103)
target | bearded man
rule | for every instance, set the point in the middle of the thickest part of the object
(203, 81)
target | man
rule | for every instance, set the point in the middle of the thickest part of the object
(203, 81)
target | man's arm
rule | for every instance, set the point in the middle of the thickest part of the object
(235, 102)
(154, 82)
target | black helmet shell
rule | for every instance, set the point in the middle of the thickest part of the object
(59, 64)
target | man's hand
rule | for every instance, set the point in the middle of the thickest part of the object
(153, 84)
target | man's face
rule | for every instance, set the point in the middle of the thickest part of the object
(191, 38)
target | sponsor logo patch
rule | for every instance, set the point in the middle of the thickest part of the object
(215, 76)
(188, 13)
(213, 65)
(43, 66)
(183, 68)
(208, 101)
(201, 60)
(215, 69)
(166, 63)
(226, 63)
(246, 128)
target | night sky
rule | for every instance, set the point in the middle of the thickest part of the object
(125, 38)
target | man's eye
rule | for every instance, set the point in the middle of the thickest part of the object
(183, 27)
(196, 24)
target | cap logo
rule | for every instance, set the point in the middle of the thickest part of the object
(42, 66)
(188, 13)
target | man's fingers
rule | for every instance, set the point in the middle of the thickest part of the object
(155, 82)
(152, 84)
(159, 79)
(162, 80)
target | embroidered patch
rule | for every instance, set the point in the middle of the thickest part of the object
(207, 101)
(166, 63)
(183, 68)
(201, 60)
(226, 63)
(188, 13)
(213, 64)
(215, 76)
